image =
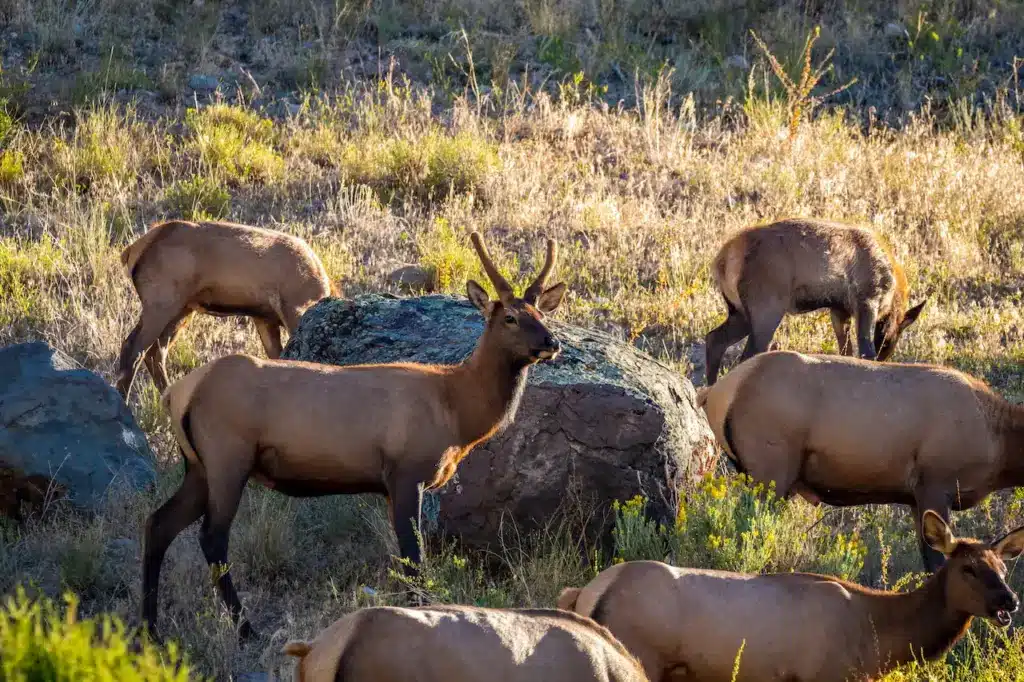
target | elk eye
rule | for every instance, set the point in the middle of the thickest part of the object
(510, 319)
(969, 570)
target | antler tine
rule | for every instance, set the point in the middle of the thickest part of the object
(501, 285)
(537, 286)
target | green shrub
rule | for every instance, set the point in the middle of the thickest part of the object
(39, 643)
(12, 168)
(426, 169)
(199, 198)
(730, 523)
(6, 121)
(235, 143)
(27, 271)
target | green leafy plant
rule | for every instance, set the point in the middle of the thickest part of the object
(39, 642)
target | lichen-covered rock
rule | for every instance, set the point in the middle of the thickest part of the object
(603, 416)
(65, 425)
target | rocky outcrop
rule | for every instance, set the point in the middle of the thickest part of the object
(603, 418)
(64, 429)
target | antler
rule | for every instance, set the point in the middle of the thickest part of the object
(501, 285)
(537, 287)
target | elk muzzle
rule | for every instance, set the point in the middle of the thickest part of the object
(550, 350)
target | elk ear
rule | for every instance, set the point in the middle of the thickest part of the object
(1010, 545)
(936, 533)
(911, 315)
(478, 297)
(549, 301)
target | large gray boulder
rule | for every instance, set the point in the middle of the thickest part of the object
(603, 417)
(66, 425)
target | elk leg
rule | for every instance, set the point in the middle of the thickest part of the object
(270, 335)
(406, 500)
(149, 328)
(290, 317)
(124, 382)
(719, 339)
(763, 325)
(162, 527)
(841, 326)
(764, 461)
(156, 356)
(937, 502)
(866, 316)
(226, 486)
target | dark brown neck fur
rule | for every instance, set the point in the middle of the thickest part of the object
(485, 390)
(905, 624)
(915, 625)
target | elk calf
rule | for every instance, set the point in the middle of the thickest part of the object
(689, 624)
(464, 644)
(308, 429)
(847, 431)
(179, 268)
(798, 266)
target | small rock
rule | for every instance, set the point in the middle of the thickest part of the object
(411, 278)
(894, 29)
(737, 61)
(202, 83)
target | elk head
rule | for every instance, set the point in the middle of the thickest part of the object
(974, 572)
(889, 327)
(518, 323)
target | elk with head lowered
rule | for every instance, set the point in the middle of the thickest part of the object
(179, 268)
(797, 266)
(308, 429)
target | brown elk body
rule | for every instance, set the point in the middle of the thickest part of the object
(179, 268)
(690, 624)
(464, 644)
(798, 266)
(847, 431)
(307, 429)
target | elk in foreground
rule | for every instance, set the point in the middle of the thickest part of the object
(179, 268)
(798, 266)
(689, 624)
(307, 429)
(847, 431)
(464, 644)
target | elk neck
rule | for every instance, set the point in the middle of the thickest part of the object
(914, 624)
(486, 388)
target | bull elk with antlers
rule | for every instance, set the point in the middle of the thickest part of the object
(307, 429)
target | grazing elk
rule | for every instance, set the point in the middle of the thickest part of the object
(179, 268)
(689, 624)
(464, 644)
(307, 429)
(798, 266)
(847, 431)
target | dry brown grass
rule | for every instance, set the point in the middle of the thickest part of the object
(379, 173)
